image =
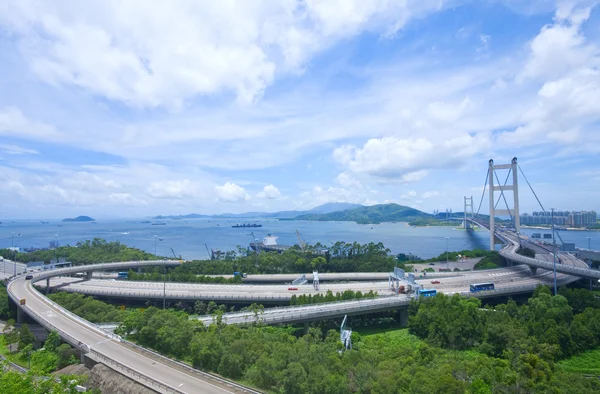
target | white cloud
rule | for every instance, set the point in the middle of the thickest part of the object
(407, 160)
(17, 150)
(430, 194)
(230, 192)
(173, 189)
(347, 180)
(173, 51)
(409, 195)
(14, 123)
(269, 192)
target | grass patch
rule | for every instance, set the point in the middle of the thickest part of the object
(584, 363)
(391, 340)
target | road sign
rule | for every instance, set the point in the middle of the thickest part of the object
(22, 301)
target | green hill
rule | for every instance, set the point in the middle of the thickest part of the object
(80, 219)
(373, 214)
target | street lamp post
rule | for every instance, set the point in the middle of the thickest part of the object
(447, 266)
(590, 259)
(554, 251)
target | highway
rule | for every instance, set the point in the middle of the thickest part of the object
(151, 370)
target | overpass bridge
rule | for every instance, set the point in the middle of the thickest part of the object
(150, 369)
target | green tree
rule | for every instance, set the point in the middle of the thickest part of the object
(26, 337)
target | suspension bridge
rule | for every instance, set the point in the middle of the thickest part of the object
(545, 257)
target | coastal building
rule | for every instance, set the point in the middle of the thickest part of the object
(578, 219)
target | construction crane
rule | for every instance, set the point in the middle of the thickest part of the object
(301, 241)
(174, 255)
(210, 256)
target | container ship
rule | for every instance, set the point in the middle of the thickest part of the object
(253, 225)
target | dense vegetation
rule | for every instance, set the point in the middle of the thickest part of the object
(342, 257)
(14, 382)
(89, 308)
(373, 214)
(508, 349)
(424, 221)
(88, 252)
(52, 356)
(330, 297)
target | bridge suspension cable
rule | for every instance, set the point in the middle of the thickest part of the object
(487, 174)
(538, 200)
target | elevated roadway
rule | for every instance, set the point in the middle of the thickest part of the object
(566, 263)
(150, 369)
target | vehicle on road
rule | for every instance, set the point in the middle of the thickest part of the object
(292, 288)
(29, 277)
(431, 263)
(242, 274)
(435, 282)
(428, 292)
(481, 287)
(122, 275)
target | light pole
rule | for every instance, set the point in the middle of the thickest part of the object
(12, 239)
(155, 244)
(55, 246)
(590, 259)
(165, 286)
(554, 251)
(447, 238)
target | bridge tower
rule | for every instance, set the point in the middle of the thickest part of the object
(514, 213)
(468, 211)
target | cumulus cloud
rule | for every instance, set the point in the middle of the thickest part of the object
(164, 54)
(13, 122)
(407, 160)
(230, 192)
(430, 194)
(269, 192)
(347, 180)
(172, 189)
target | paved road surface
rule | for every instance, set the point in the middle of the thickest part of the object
(111, 348)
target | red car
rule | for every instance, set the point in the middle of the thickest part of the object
(292, 288)
(435, 282)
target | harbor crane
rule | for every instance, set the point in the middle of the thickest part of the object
(301, 241)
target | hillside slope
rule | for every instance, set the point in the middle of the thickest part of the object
(373, 214)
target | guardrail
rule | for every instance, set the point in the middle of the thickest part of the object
(187, 368)
(135, 375)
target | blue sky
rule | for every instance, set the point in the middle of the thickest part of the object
(116, 109)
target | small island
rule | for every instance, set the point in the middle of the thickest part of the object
(80, 219)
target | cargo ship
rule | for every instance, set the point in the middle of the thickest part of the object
(245, 225)
(269, 244)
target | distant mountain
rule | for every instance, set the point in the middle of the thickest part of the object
(325, 208)
(80, 219)
(373, 214)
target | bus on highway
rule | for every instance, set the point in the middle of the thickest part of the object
(482, 287)
(122, 275)
(428, 292)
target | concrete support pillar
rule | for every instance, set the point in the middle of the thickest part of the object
(139, 270)
(533, 270)
(492, 203)
(20, 315)
(88, 275)
(47, 286)
(403, 317)
(306, 327)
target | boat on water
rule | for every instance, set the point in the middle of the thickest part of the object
(247, 225)
(159, 224)
(269, 244)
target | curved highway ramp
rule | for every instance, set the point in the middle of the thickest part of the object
(154, 371)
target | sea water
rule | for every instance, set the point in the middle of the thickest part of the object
(189, 238)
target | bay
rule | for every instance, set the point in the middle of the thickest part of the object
(188, 237)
